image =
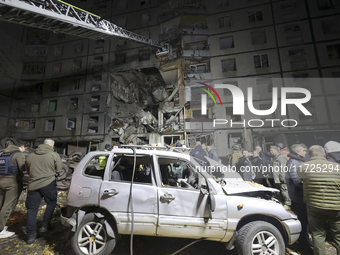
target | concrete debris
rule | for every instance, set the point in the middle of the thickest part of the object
(159, 95)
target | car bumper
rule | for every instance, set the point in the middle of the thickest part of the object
(293, 228)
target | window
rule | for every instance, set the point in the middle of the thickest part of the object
(333, 51)
(93, 130)
(200, 68)
(298, 64)
(230, 115)
(94, 108)
(144, 2)
(121, 22)
(35, 107)
(124, 168)
(226, 42)
(228, 65)
(71, 124)
(97, 78)
(258, 37)
(261, 61)
(77, 64)
(120, 58)
(78, 48)
(294, 39)
(52, 105)
(54, 86)
(93, 119)
(292, 28)
(49, 125)
(97, 68)
(95, 88)
(75, 84)
(25, 124)
(296, 52)
(95, 98)
(222, 3)
(98, 59)
(95, 168)
(224, 21)
(197, 114)
(122, 4)
(58, 51)
(143, 55)
(255, 16)
(73, 104)
(57, 68)
(330, 26)
(326, 4)
(99, 41)
(177, 173)
(145, 18)
(289, 11)
(99, 50)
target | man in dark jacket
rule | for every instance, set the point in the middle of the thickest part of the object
(295, 190)
(333, 151)
(199, 154)
(245, 168)
(321, 193)
(41, 166)
(212, 154)
(11, 186)
(257, 163)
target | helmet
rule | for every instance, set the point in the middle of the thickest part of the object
(236, 147)
(332, 146)
(281, 145)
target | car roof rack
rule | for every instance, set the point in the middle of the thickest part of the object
(166, 147)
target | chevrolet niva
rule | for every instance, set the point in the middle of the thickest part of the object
(164, 193)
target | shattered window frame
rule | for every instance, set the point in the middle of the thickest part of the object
(25, 124)
(77, 64)
(228, 65)
(49, 125)
(73, 103)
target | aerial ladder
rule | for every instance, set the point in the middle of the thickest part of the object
(61, 17)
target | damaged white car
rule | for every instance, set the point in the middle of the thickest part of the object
(161, 193)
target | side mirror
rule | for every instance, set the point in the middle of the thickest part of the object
(212, 202)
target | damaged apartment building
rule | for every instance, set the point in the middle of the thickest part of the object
(85, 93)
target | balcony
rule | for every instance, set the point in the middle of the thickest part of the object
(198, 124)
(197, 54)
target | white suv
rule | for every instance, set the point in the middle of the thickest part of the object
(170, 195)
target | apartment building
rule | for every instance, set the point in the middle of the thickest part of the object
(90, 92)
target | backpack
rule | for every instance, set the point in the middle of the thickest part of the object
(6, 165)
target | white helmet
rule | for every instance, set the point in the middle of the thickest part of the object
(332, 146)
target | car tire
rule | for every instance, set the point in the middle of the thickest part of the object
(64, 172)
(76, 156)
(258, 237)
(83, 242)
(8, 141)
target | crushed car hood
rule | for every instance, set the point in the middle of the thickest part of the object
(233, 186)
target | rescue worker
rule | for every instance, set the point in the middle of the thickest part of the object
(278, 164)
(107, 147)
(10, 184)
(332, 149)
(283, 150)
(233, 160)
(42, 167)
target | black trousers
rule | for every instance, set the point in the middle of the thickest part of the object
(49, 193)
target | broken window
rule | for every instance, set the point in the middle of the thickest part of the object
(75, 84)
(292, 28)
(224, 21)
(200, 68)
(36, 50)
(49, 125)
(98, 59)
(230, 115)
(296, 52)
(94, 108)
(120, 58)
(326, 4)
(226, 42)
(331, 26)
(99, 49)
(97, 78)
(143, 54)
(78, 48)
(258, 37)
(71, 123)
(25, 124)
(95, 88)
(58, 51)
(77, 64)
(228, 65)
(99, 41)
(73, 103)
(57, 68)
(298, 64)
(255, 16)
(333, 51)
(52, 105)
(54, 86)
(261, 61)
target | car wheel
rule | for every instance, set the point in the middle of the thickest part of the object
(259, 237)
(76, 156)
(64, 172)
(91, 237)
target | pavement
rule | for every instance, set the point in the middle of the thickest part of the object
(57, 241)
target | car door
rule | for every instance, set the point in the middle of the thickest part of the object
(115, 194)
(184, 211)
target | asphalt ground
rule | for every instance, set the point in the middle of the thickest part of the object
(57, 241)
